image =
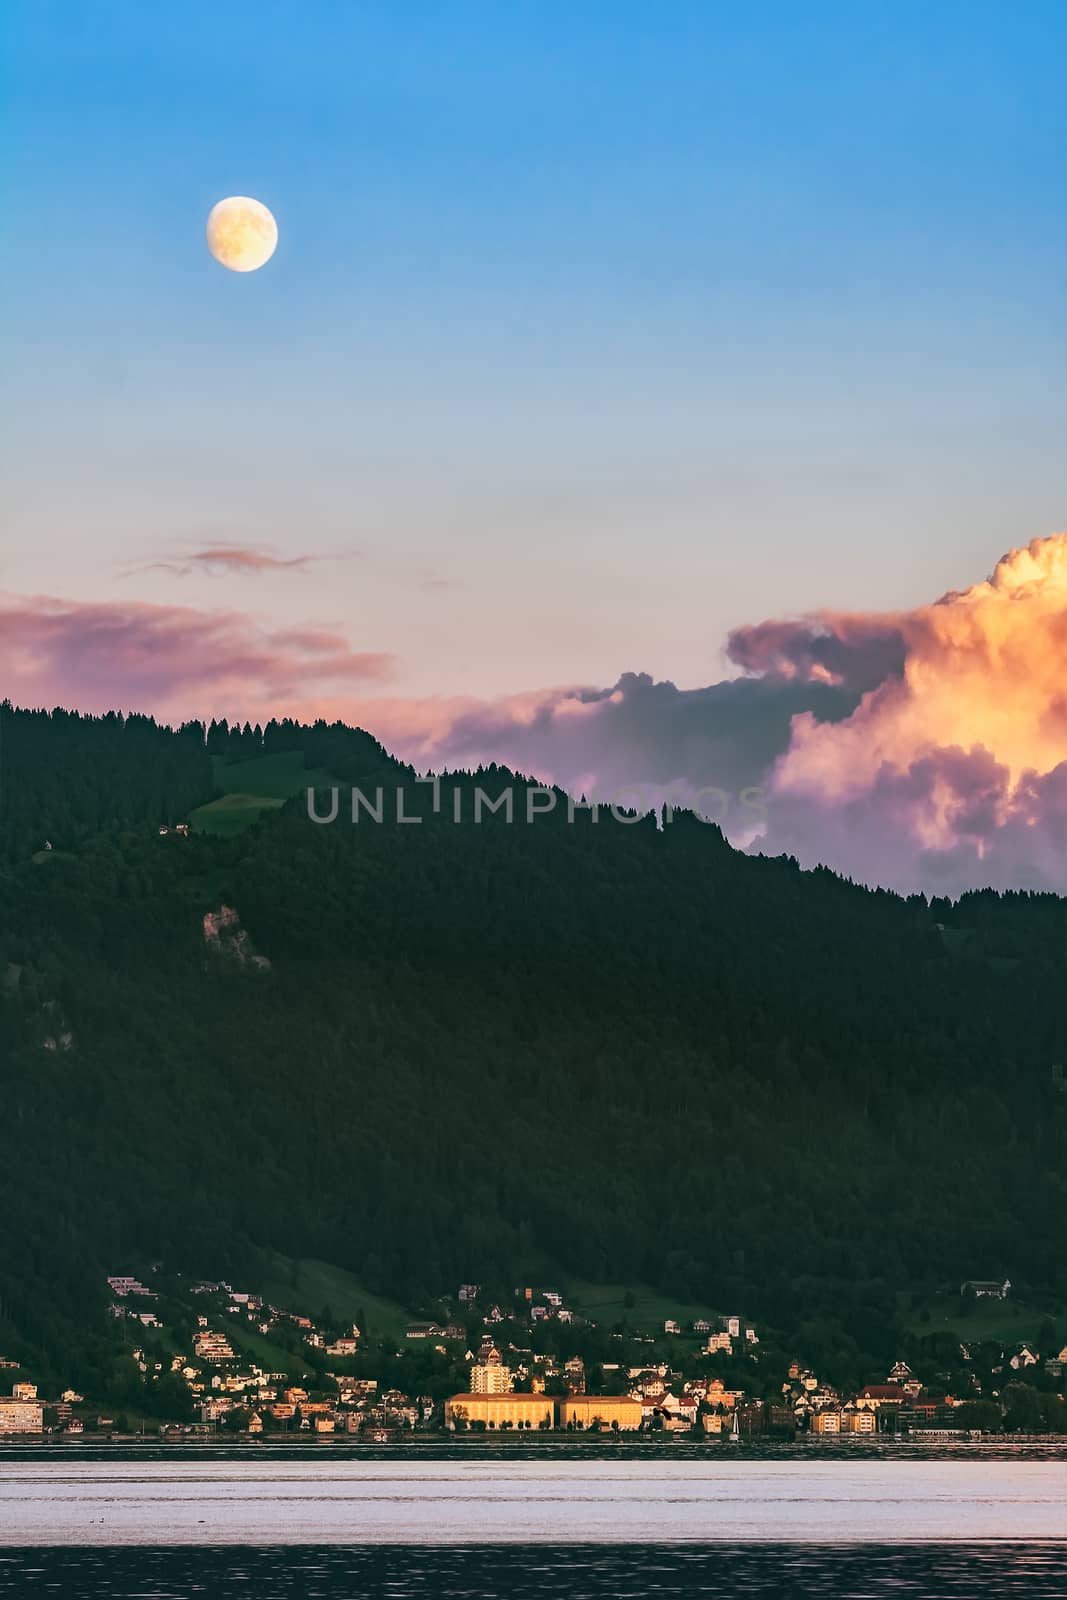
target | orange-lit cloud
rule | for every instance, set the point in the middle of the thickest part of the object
(919, 749)
(959, 755)
(924, 749)
(985, 668)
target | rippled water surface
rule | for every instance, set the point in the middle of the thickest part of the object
(521, 1572)
(411, 1500)
(250, 1525)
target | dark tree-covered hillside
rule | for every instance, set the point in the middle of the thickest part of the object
(446, 1049)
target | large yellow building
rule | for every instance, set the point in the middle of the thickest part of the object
(518, 1410)
(583, 1410)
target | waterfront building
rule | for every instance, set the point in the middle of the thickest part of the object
(610, 1411)
(21, 1416)
(496, 1410)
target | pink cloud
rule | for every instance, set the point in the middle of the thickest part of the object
(952, 770)
(917, 749)
(854, 650)
(921, 749)
(172, 660)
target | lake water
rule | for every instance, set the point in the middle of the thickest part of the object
(238, 1525)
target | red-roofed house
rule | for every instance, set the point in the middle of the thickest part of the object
(882, 1394)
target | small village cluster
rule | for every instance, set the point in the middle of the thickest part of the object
(509, 1386)
(658, 1398)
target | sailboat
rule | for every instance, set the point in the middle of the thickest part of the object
(735, 1431)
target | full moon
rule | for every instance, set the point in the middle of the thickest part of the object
(241, 233)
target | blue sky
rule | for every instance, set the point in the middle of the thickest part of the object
(594, 329)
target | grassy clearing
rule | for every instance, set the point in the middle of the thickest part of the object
(271, 1357)
(270, 777)
(1009, 1320)
(606, 1304)
(307, 1286)
(250, 788)
(233, 813)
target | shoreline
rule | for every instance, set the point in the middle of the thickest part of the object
(537, 1444)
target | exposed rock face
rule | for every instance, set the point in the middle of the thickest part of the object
(217, 922)
(223, 933)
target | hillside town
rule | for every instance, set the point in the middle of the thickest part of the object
(210, 1358)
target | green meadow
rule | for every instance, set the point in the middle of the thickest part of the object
(306, 1286)
(250, 788)
(644, 1310)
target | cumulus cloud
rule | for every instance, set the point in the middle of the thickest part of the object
(857, 652)
(924, 749)
(954, 767)
(640, 738)
(920, 750)
(949, 820)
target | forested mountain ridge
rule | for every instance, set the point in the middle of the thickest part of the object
(614, 1049)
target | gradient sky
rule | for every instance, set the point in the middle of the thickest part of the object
(593, 331)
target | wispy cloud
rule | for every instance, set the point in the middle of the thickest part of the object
(233, 557)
